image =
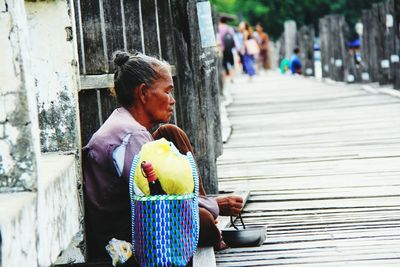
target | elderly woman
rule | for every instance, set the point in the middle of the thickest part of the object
(143, 87)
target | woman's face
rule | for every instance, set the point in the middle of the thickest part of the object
(160, 103)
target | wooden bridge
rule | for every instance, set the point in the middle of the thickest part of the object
(322, 162)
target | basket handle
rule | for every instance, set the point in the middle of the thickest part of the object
(195, 199)
(132, 193)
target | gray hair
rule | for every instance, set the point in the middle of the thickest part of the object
(133, 70)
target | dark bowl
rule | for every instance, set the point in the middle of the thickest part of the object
(252, 236)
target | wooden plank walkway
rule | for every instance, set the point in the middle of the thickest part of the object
(322, 162)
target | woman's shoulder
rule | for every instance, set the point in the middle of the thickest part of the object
(116, 128)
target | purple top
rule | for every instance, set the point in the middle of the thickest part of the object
(107, 203)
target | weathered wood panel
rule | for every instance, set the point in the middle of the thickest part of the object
(108, 103)
(150, 28)
(166, 34)
(89, 114)
(95, 56)
(114, 29)
(132, 25)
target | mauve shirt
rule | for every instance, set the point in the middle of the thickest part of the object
(107, 203)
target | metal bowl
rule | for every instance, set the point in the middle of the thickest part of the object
(252, 236)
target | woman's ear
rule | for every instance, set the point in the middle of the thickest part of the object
(141, 92)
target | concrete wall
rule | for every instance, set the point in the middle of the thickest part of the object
(56, 80)
(19, 144)
(38, 113)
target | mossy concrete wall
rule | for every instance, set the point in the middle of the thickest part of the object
(39, 208)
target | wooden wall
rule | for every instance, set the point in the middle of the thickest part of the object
(167, 29)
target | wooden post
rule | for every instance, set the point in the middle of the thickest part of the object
(324, 45)
(368, 51)
(337, 47)
(386, 21)
(352, 69)
(198, 97)
(394, 59)
(290, 37)
(305, 37)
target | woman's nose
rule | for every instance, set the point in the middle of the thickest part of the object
(172, 99)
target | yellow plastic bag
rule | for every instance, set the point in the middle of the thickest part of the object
(172, 169)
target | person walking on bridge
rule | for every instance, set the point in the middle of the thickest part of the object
(295, 62)
(228, 43)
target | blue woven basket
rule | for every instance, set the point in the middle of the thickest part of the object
(165, 228)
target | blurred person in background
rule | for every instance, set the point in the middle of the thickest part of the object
(263, 42)
(248, 50)
(295, 62)
(228, 44)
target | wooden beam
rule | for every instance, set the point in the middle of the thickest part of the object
(96, 81)
(103, 80)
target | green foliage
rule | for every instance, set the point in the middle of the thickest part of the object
(273, 13)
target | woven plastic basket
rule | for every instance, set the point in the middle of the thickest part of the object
(165, 228)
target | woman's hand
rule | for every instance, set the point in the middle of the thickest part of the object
(229, 205)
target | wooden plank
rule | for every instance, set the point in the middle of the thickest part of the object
(88, 113)
(150, 25)
(114, 29)
(79, 34)
(166, 34)
(96, 81)
(204, 256)
(103, 80)
(133, 25)
(95, 56)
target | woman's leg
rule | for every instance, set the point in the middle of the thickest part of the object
(209, 233)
